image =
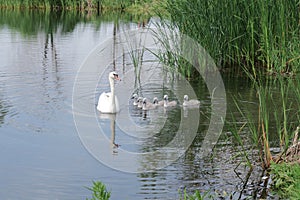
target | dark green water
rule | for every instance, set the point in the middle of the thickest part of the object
(42, 156)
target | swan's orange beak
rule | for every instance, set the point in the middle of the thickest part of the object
(117, 77)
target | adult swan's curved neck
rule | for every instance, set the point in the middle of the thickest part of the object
(112, 89)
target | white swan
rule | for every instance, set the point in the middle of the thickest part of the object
(168, 103)
(191, 102)
(148, 105)
(135, 99)
(108, 102)
(158, 103)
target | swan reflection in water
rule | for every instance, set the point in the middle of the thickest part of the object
(112, 118)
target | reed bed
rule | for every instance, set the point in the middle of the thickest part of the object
(135, 7)
(277, 116)
(41, 4)
(260, 34)
(59, 4)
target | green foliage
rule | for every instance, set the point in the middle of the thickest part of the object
(136, 7)
(99, 191)
(254, 33)
(196, 196)
(174, 47)
(286, 180)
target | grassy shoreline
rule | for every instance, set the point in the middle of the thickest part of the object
(148, 7)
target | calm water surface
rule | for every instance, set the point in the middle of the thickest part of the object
(42, 156)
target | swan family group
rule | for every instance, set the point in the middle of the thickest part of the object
(144, 104)
(108, 102)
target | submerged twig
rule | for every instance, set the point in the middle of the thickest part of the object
(246, 181)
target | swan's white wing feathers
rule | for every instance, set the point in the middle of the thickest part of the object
(105, 104)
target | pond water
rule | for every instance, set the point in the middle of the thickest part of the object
(43, 152)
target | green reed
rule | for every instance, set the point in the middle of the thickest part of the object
(175, 46)
(99, 191)
(103, 5)
(277, 115)
(196, 196)
(256, 33)
(136, 54)
(236, 132)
